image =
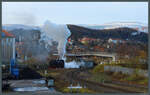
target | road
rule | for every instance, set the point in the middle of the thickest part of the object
(34, 86)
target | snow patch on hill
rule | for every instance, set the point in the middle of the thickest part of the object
(135, 25)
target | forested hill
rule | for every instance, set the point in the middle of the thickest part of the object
(118, 33)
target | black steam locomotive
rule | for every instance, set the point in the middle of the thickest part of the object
(56, 64)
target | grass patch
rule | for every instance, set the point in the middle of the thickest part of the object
(98, 68)
(52, 73)
(118, 75)
(77, 90)
(100, 77)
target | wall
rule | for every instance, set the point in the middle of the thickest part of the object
(8, 49)
(125, 70)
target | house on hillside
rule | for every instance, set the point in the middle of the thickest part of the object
(87, 40)
(7, 47)
(115, 41)
(70, 41)
(99, 48)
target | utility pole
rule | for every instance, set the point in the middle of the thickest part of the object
(0, 67)
(0, 51)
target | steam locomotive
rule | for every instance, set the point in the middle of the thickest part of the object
(56, 64)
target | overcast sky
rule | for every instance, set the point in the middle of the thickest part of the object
(36, 13)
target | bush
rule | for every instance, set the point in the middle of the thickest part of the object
(135, 77)
(99, 68)
(144, 81)
(119, 75)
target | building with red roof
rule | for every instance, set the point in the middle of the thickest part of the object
(6, 34)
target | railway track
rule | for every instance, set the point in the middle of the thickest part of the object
(73, 77)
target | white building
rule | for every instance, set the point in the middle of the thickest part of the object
(7, 47)
(111, 40)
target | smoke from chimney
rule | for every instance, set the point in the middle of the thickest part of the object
(58, 33)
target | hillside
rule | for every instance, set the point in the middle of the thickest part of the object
(135, 25)
(118, 33)
(78, 31)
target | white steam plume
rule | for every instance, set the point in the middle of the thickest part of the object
(58, 33)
